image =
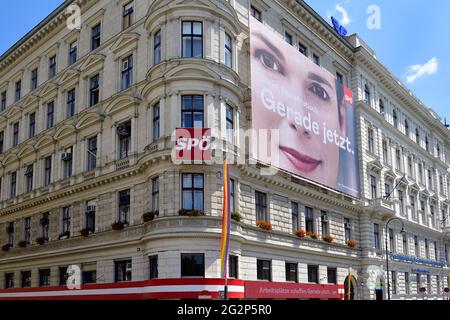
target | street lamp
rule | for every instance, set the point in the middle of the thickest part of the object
(387, 252)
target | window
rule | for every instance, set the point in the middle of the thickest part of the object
(436, 253)
(127, 72)
(303, 49)
(124, 133)
(428, 284)
(410, 167)
(427, 144)
(72, 53)
(295, 220)
(412, 200)
(157, 47)
(395, 118)
(65, 217)
(340, 78)
(438, 284)
(67, 160)
(123, 270)
(124, 205)
(89, 274)
(155, 194)
(26, 279)
(3, 101)
(156, 122)
(419, 282)
(316, 59)
(255, 13)
(95, 36)
(192, 265)
(233, 267)
(332, 275)
(192, 39)
(427, 251)
(45, 223)
(91, 153)
(90, 216)
(367, 94)
(407, 283)
(376, 236)
(385, 152)
(192, 112)
(399, 159)
(438, 150)
(430, 180)
(432, 216)
(50, 115)
(44, 277)
(347, 229)
(29, 178)
(370, 140)
(153, 265)
(394, 282)
(192, 190)
(421, 173)
(232, 196)
(324, 223)
(230, 123)
(264, 270)
(9, 280)
(309, 219)
(407, 128)
(27, 230)
(18, 90)
(94, 90)
(52, 66)
(70, 111)
(63, 276)
(13, 190)
(261, 206)
(10, 231)
(288, 37)
(34, 79)
(47, 170)
(373, 187)
(416, 246)
(417, 136)
(127, 15)
(382, 109)
(31, 125)
(313, 274)
(401, 201)
(291, 272)
(228, 51)
(15, 141)
(2, 141)
(391, 240)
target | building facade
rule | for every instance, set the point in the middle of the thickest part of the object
(86, 123)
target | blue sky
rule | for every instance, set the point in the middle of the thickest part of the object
(413, 33)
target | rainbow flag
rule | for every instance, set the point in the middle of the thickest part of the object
(226, 221)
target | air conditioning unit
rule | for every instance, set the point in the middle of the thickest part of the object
(348, 226)
(66, 156)
(90, 209)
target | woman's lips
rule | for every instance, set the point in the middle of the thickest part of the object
(300, 161)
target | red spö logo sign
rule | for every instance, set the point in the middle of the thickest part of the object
(193, 144)
(348, 95)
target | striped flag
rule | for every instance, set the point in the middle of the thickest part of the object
(226, 221)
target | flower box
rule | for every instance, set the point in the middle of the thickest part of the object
(312, 235)
(41, 240)
(351, 243)
(119, 225)
(6, 247)
(300, 233)
(236, 216)
(328, 239)
(423, 290)
(264, 225)
(446, 290)
(190, 213)
(22, 244)
(149, 216)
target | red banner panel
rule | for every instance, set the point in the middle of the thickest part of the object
(287, 290)
(193, 144)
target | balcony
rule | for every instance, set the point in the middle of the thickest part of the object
(381, 208)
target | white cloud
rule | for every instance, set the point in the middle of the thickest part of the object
(345, 21)
(418, 71)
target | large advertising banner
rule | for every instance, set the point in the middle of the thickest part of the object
(306, 110)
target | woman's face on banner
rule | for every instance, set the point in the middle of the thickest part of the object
(288, 79)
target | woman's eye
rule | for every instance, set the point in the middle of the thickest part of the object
(319, 91)
(269, 61)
